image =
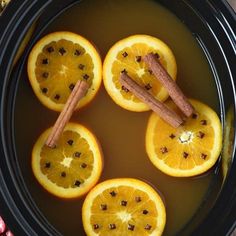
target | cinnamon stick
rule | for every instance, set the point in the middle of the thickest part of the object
(160, 108)
(170, 85)
(77, 94)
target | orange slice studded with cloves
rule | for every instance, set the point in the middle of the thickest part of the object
(73, 167)
(127, 56)
(57, 62)
(123, 207)
(189, 150)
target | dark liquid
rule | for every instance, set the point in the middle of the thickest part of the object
(120, 132)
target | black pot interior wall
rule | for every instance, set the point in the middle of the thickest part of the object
(207, 22)
(17, 206)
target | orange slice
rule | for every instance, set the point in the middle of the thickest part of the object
(189, 150)
(73, 167)
(57, 62)
(127, 55)
(123, 207)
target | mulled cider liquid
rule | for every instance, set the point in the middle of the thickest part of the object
(120, 132)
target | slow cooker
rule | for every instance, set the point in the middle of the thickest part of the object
(212, 22)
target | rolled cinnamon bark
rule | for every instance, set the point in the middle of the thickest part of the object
(158, 107)
(77, 94)
(169, 84)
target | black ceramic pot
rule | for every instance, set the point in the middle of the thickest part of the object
(213, 24)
